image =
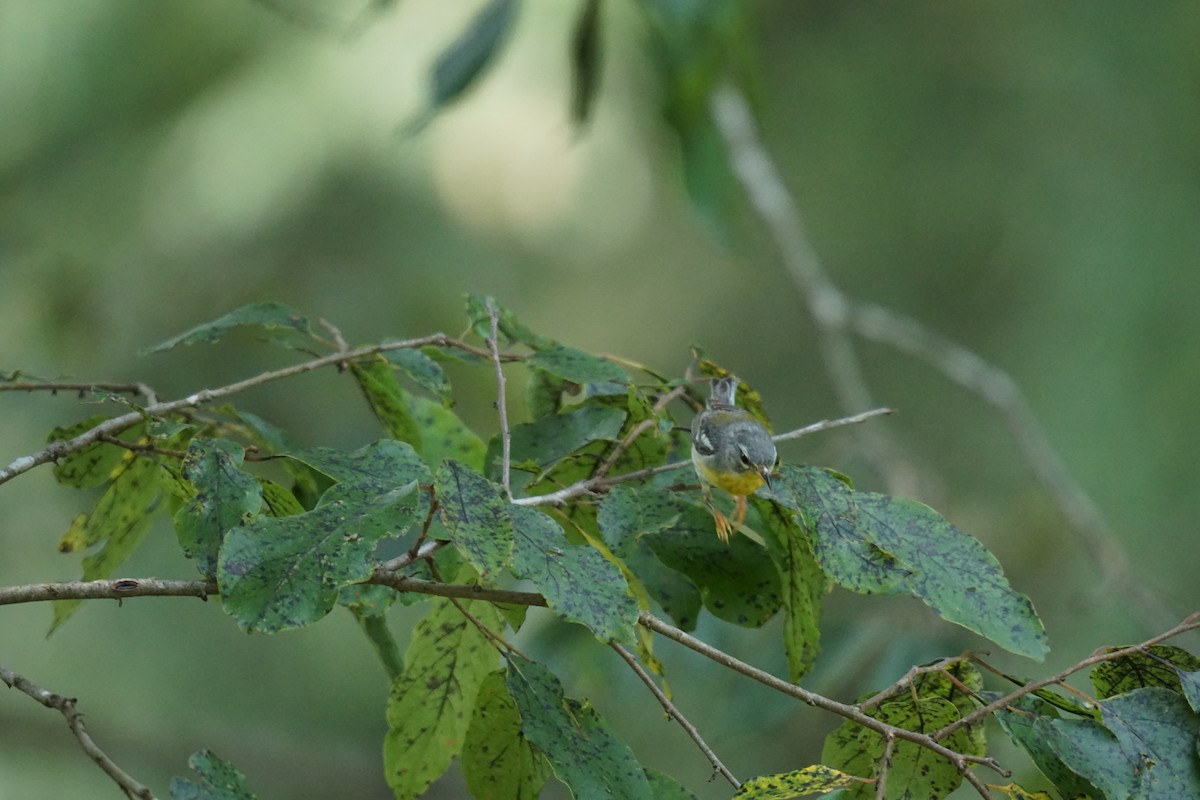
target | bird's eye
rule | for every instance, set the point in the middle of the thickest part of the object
(745, 459)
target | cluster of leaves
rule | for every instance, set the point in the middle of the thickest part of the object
(592, 503)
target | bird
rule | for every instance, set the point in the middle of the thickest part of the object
(732, 451)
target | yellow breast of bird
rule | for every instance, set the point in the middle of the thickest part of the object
(741, 483)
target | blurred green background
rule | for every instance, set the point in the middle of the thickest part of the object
(1024, 178)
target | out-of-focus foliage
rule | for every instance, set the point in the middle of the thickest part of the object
(1023, 180)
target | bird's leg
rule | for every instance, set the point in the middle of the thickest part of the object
(724, 528)
(739, 511)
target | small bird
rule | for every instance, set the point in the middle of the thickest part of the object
(730, 450)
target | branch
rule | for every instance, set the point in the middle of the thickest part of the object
(121, 588)
(61, 448)
(54, 387)
(675, 714)
(1189, 624)
(599, 483)
(493, 343)
(66, 706)
(961, 762)
(114, 589)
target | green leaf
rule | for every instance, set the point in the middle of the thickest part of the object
(786, 785)
(268, 316)
(1156, 731)
(120, 519)
(871, 542)
(285, 572)
(465, 59)
(219, 780)
(736, 582)
(225, 498)
(431, 703)
(916, 771)
(628, 512)
(279, 502)
(582, 749)
(1017, 792)
(1028, 721)
(1161, 665)
(92, 465)
(579, 584)
(541, 445)
(377, 468)
(497, 761)
(585, 62)
(664, 787)
(444, 435)
(387, 399)
(576, 366)
(422, 370)
(475, 513)
(511, 328)
(1089, 751)
(802, 585)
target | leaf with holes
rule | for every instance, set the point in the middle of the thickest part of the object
(218, 780)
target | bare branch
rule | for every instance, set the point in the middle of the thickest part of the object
(598, 483)
(54, 387)
(885, 766)
(66, 706)
(58, 449)
(493, 343)
(113, 589)
(674, 713)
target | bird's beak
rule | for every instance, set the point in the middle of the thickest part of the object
(766, 476)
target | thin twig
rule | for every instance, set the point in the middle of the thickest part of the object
(493, 343)
(962, 762)
(596, 484)
(636, 431)
(58, 449)
(1189, 624)
(885, 766)
(674, 713)
(66, 706)
(54, 387)
(906, 680)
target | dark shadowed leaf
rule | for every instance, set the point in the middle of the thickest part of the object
(737, 581)
(465, 59)
(586, 61)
